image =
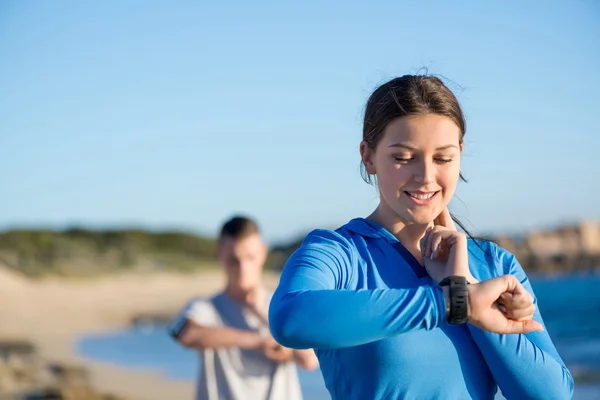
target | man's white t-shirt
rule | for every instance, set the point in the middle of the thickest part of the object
(234, 373)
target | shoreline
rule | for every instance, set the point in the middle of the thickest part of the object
(53, 314)
(134, 383)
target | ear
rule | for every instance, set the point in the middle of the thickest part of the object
(219, 251)
(366, 154)
(263, 246)
(462, 147)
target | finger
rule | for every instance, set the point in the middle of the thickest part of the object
(445, 219)
(523, 318)
(442, 219)
(423, 242)
(517, 290)
(523, 326)
(442, 239)
(520, 302)
(518, 298)
(444, 250)
(277, 358)
(506, 297)
(500, 284)
(427, 244)
(436, 245)
(427, 241)
(283, 357)
(516, 309)
(436, 235)
(520, 314)
(521, 295)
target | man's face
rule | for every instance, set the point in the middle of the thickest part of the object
(243, 260)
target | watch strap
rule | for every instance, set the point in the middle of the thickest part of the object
(458, 294)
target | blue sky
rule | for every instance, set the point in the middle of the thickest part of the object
(178, 114)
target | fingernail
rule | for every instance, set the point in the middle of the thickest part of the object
(431, 258)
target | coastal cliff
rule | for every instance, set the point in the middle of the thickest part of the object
(566, 249)
(562, 250)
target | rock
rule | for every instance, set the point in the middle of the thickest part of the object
(23, 376)
(16, 348)
(68, 373)
(41, 394)
(152, 320)
(566, 249)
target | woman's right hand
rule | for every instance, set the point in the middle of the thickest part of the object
(502, 305)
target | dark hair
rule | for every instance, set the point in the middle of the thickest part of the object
(239, 227)
(405, 96)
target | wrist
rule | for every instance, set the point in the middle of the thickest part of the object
(470, 289)
(446, 291)
(470, 278)
(256, 340)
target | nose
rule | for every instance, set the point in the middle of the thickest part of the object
(424, 172)
(245, 267)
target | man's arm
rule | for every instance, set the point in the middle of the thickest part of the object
(306, 359)
(196, 336)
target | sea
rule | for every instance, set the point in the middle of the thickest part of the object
(570, 306)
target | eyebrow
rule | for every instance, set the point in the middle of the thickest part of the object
(412, 148)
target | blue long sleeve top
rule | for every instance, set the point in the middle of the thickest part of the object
(377, 323)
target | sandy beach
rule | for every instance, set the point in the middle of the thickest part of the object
(53, 313)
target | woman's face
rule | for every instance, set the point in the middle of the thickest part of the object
(417, 163)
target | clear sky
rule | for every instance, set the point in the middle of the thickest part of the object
(177, 114)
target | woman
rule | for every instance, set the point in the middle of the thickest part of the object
(400, 305)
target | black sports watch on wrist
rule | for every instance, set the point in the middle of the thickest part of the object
(459, 299)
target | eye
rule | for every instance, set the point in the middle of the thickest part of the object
(443, 160)
(403, 159)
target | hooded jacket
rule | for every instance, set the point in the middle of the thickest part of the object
(377, 322)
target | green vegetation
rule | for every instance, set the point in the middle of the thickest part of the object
(83, 252)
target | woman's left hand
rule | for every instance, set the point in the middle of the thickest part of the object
(444, 250)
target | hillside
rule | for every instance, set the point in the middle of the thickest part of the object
(84, 252)
(89, 252)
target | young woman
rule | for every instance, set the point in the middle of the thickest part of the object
(400, 305)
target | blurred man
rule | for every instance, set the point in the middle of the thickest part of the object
(239, 357)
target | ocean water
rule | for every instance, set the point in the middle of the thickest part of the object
(570, 307)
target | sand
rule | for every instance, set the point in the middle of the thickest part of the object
(53, 313)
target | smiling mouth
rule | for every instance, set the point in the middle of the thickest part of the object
(421, 196)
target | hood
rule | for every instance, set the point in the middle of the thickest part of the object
(370, 229)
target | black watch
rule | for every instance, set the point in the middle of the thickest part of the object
(459, 299)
